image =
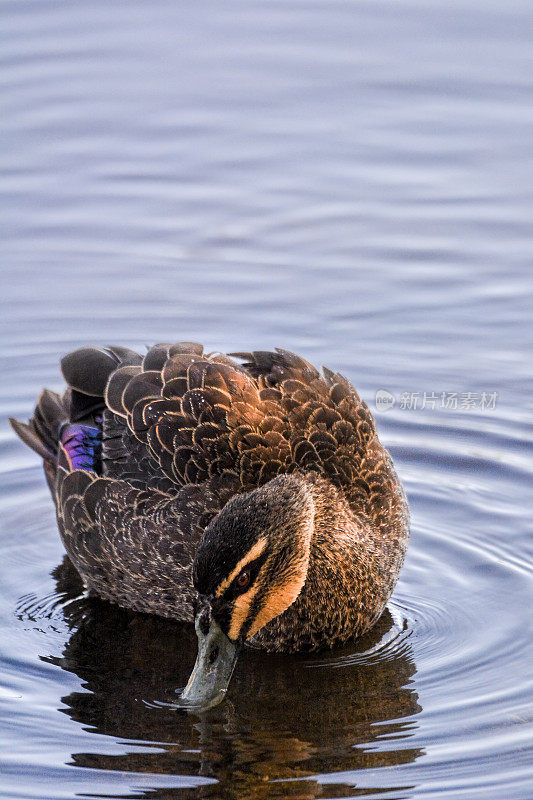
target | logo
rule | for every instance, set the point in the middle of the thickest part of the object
(384, 400)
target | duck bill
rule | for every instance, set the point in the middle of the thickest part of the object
(214, 666)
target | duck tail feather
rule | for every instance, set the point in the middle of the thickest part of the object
(26, 433)
(41, 432)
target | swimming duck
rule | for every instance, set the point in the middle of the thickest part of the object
(248, 493)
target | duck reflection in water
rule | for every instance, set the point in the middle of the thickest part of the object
(301, 716)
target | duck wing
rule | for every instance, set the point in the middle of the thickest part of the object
(130, 530)
(131, 546)
(209, 420)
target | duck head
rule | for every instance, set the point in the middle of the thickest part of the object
(250, 567)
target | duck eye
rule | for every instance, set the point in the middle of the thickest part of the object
(243, 579)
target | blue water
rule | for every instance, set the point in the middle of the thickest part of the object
(352, 181)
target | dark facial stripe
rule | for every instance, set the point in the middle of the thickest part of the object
(253, 567)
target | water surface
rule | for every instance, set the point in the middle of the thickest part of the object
(349, 181)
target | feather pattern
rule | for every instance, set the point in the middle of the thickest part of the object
(142, 452)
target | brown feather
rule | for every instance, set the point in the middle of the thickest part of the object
(183, 434)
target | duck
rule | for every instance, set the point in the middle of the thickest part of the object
(247, 493)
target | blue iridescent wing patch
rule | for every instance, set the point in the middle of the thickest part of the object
(80, 447)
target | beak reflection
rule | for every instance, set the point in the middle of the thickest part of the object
(214, 666)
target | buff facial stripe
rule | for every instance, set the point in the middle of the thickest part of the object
(241, 610)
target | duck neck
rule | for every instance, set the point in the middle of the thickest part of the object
(340, 548)
(341, 596)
